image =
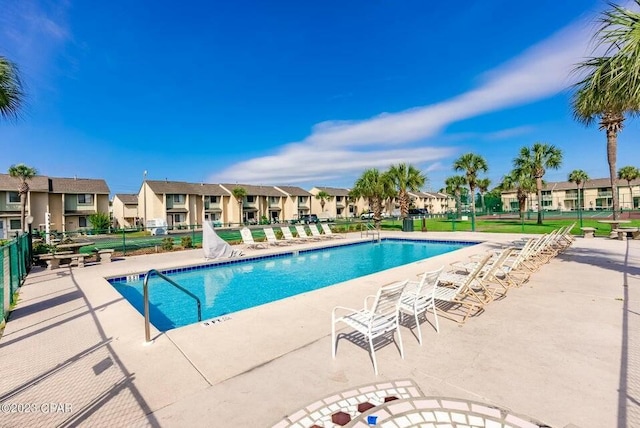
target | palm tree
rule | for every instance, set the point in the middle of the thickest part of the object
(323, 197)
(376, 187)
(239, 193)
(23, 173)
(523, 183)
(536, 160)
(454, 187)
(471, 164)
(579, 177)
(11, 93)
(483, 187)
(610, 88)
(629, 173)
(406, 178)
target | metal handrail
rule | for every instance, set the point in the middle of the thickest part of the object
(145, 292)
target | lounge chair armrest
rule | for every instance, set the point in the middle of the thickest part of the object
(343, 308)
(366, 300)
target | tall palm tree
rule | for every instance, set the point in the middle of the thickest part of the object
(610, 85)
(406, 178)
(629, 173)
(11, 92)
(523, 183)
(376, 187)
(323, 197)
(471, 164)
(483, 187)
(579, 177)
(23, 173)
(239, 193)
(537, 160)
(454, 185)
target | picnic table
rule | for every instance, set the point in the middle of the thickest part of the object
(615, 224)
(73, 246)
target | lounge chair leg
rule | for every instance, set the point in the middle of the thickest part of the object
(418, 328)
(333, 341)
(373, 356)
(435, 316)
(400, 343)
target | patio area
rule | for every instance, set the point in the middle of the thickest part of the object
(563, 350)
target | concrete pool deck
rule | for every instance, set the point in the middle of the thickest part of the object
(563, 349)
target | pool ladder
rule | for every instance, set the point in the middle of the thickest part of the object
(145, 293)
(370, 231)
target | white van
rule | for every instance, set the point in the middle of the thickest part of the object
(157, 226)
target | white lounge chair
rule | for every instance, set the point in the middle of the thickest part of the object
(272, 239)
(248, 241)
(286, 233)
(418, 296)
(327, 231)
(302, 233)
(315, 232)
(381, 318)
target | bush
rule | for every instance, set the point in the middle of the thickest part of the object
(167, 244)
(100, 222)
(42, 248)
(186, 242)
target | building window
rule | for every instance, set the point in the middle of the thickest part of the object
(13, 197)
(86, 199)
(251, 199)
(213, 199)
(82, 222)
(178, 199)
(14, 224)
(274, 199)
(302, 199)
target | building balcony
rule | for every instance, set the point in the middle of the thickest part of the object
(570, 196)
(547, 197)
(606, 194)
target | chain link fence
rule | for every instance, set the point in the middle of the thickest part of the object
(16, 261)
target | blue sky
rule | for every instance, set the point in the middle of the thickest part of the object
(289, 92)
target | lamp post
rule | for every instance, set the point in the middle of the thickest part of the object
(579, 208)
(144, 199)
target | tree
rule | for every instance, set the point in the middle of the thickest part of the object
(239, 193)
(376, 187)
(406, 178)
(523, 183)
(483, 187)
(609, 87)
(323, 197)
(536, 160)
(11, 93)
(99, 222)
(471, 164)
(454, 187)
(23, 173)
(579, 177)
(629, 173)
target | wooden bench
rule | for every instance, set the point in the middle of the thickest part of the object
(588, 232)
(105, 255)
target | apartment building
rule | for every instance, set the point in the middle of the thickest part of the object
(297, 202)
(69, 201)
(563, 196)
(433, 202)
(339, 205)
(124, 209)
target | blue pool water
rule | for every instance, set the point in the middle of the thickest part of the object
(231, 287)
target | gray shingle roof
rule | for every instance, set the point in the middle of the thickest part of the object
(256, 190)
(127, 199)
(78, 185)
(39, 183)
(294, 191)
(182, 187)
(334, 191)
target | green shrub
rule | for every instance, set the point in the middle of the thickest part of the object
(42, 248)
(167, 244)
(100, 222)
(186, 242)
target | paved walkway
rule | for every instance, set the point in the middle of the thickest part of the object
(563, 349)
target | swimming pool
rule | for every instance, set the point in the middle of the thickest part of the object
(232, 286)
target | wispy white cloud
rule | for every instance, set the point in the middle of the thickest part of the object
(504, 134)
(339, 148)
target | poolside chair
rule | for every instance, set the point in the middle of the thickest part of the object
(458, 290)
(248, 241)
(418, 296)
(272, 239)
(302, 233)
(380, 319)
(315, 232)
(327, 231)
(491, 273)
(288, 237)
